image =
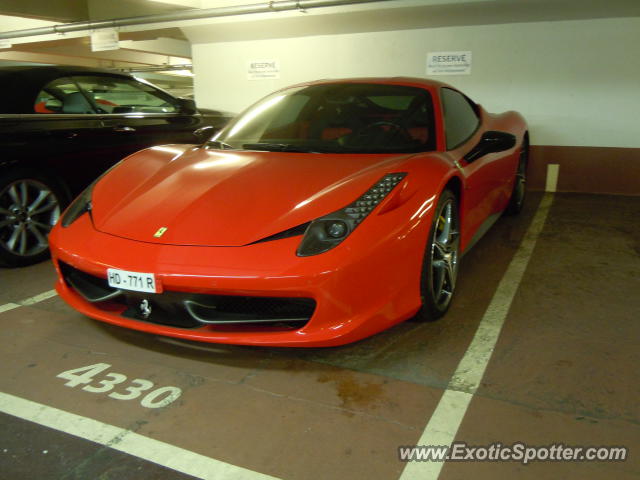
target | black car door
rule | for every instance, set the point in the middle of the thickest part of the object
(136, 115)
(66, 134)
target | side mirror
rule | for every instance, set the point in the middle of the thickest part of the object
(491, 142)
(187, 106)
(204, 133)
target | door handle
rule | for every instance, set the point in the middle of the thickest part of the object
(122, 128)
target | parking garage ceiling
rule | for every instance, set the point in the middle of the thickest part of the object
(169, 42)
(139, 48)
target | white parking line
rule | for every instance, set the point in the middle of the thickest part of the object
(28, 301)
(38, 298)
(126, 441)
(553, 171)
(9, 306)
(447, 417)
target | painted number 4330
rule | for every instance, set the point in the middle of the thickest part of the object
(160, 397)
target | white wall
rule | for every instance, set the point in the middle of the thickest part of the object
(576, 82)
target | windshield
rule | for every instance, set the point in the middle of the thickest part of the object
(335, 118)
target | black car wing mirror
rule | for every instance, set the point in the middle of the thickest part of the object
(491, 142)
(187, 106)
(204, 133)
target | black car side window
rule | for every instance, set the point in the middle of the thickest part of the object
(121, 95)
(460, 117)
(62, 96)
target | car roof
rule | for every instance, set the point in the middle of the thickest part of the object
(408, 81)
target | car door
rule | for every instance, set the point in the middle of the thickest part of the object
(66, 134)
(137, 115)
(483, 180)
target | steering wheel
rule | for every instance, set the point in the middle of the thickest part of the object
(390, 131)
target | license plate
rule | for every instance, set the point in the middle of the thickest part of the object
(136, 281)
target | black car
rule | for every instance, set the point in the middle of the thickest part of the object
(61, 127)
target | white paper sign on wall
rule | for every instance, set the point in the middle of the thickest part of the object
(449, 63)
(102, 40)
(263, 69)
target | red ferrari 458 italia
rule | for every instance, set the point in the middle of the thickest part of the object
(326, 212)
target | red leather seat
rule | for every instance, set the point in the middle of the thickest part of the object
(419, 133)
(331, 133)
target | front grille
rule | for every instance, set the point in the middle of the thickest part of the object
(190, 310)
(93, 289)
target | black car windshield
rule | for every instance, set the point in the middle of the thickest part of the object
(335, 118)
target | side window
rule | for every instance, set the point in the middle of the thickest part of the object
(460, 118)
(120, 95)
(62, 96)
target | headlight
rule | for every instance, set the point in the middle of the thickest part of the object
(329, 231)
(82, 203)
(79, 206)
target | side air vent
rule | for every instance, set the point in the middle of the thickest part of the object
(292, 232)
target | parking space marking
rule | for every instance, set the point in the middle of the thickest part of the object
(28, 301)
(126, 441)
(447, 417)
(38, 298)
(553, 170)
(9, 306)
(158, 398)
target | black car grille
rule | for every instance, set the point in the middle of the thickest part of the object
(191, 310)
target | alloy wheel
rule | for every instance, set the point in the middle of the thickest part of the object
(28, 211)
(444, 255)
(521, 177)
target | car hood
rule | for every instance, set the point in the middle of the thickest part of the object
(227, 198)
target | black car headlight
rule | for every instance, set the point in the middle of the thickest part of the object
(326, 232)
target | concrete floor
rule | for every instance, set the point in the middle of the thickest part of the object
(565, 369)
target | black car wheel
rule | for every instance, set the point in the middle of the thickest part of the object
(519, 191)
(440, 264)
(29, 207)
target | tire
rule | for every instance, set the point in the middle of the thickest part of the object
(519, 192)
(30, 206)
(441, 257)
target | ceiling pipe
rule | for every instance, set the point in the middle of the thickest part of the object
(264, 7)
(158, 68)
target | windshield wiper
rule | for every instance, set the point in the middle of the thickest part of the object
(279, 147)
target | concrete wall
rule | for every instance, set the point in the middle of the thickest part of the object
(576, 82)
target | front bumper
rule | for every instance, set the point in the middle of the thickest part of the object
(357, 289)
